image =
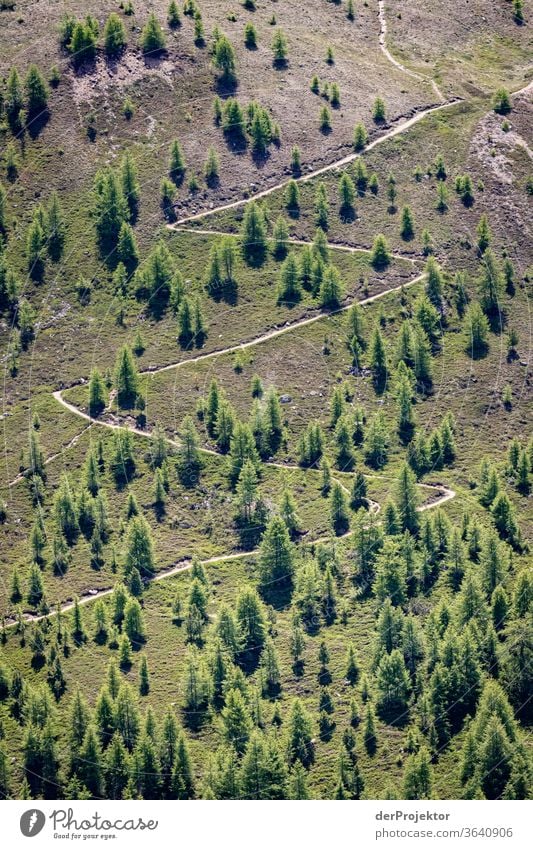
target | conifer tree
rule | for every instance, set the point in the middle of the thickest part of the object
(331, 288)
(523, 469)
(134, 625)
(490, 283)
(289, 513)
(346, 192)
(500, 607)
(483, 234)
(35, 242)
(65, 511)
(289, 289)
(369, 734)
(233, 122)
(359, 492)
(97, 393)
(82, 44)
(139, 547)
(144, 678)
(353, 669)
(100, 622)
(110, 209)
(114, 36)
(253, 233)
(130, 185)
(393, 682)
(242, 448)
(299, 735)
(251, 620)
(376, 442)
(212, 167)
(177, 163)
(127, 719)
(378, 110)
(276, 555)
(381, 255)
(360, 137)
(434, 282)
(407, 227)
(344, 444)
(182, 786)
(78, 627)
(418, 776)
(494, 759)
(224, 59)
(279, 48)
(280, 235)
(250, 36)
(116, 768)
(378, 360)
(35, 586)
(56, 227)
(14, 99)
(292, 197)
(476, 331)
(127, 251)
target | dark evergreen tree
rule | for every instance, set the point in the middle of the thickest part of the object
(139, 547)
(126, 378)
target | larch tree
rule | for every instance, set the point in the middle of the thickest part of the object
(299, 735)
(251, 620)
(36, 92)
(253, 233)
(490, 283)
(381, 256)
(418, 776)
(114, 36)
(224, 60)
(339, 510)
(97, 393)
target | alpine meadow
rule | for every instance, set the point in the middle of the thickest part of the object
(267, 451)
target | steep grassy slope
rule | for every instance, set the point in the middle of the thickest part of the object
(338, 578)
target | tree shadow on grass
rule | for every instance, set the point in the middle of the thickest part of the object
(347, 213)
(278, 595)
